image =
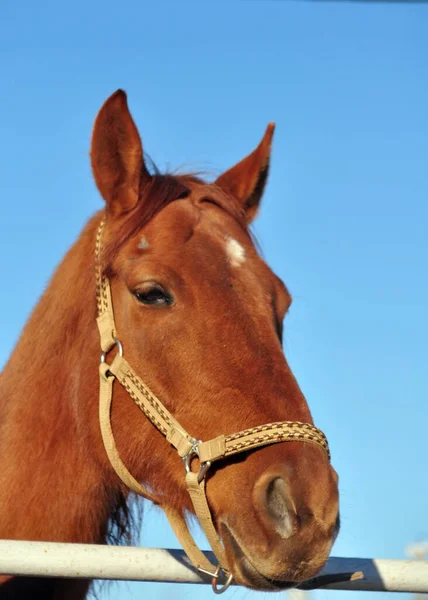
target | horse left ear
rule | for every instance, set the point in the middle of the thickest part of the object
(247, 179)
(117, 155)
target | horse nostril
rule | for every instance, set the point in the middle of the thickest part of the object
(279, 507)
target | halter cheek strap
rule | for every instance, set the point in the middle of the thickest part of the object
(186, 445)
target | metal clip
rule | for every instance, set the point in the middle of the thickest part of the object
(187, 460)
(229, 579)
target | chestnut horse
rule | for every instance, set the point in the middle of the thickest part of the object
(200, 317)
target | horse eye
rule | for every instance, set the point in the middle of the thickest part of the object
(153, 295)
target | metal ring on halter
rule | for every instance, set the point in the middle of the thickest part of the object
(119, 347)
(187, 460)
(229, 579)
(194, 451)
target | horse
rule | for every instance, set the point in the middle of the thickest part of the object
(199, 315)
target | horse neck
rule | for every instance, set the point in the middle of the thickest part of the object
(51, 485)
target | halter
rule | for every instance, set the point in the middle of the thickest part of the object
(185, 444)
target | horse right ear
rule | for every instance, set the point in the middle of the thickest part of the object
(117, 155)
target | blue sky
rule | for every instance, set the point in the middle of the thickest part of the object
(345, 214)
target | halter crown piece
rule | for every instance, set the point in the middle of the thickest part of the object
(185, 444)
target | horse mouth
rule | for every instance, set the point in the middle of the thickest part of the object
(247, 574)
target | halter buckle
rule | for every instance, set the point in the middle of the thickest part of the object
(187, 460)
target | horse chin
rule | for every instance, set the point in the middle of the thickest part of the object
(244, 570)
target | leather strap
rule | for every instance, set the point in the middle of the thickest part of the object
(198, 496)
(106, 396)
(154, 410)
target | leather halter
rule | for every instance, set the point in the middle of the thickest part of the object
(185, 444)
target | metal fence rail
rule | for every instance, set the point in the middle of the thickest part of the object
(156, 565)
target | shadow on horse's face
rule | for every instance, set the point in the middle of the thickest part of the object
(200, 316)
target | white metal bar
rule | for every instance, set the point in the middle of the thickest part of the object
(48, 559)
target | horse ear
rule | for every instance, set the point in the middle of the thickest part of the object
(117, 155)
(246, 180)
